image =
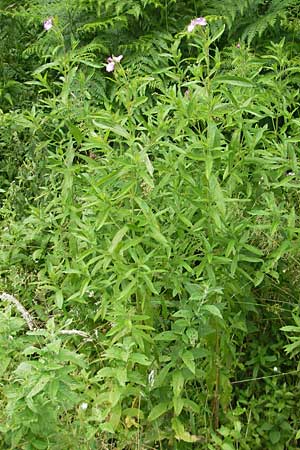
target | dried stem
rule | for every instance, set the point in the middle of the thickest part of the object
(24, 313)
(76, 332)
(29, 319)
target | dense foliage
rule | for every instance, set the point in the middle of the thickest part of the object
(150, 224)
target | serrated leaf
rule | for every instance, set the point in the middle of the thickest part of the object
(39, 386)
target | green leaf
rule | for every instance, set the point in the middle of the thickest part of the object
(118, 238)
(133, 412)
(188, 359)
(217, 35)
(59, 299)
(227, 446)
(253, 249)
(180, 432)
(39, 386)
(208, 166)
(159, 237)
(148, 164)
(177, 382)
(234, 81)
(259, 277)
(115, 416)
(4, 362)
(214, 310)
(194, 407)
(166, 336)
(178, 404)
(158, 411)
(140, 359)
(115, 128)
(274, 436)
(53, 389)
(38, 444)
(76, 133)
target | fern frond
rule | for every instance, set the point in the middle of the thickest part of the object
(277, 9)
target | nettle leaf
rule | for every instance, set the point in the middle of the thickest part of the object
(25, 369)
(39, 386)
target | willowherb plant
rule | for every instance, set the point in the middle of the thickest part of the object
(160, 211)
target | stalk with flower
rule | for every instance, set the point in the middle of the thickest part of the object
(111, 62)
(48, 24)
(200, 21)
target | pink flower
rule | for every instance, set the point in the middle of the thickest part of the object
(48, 24)
(110, 67)
(111, 61)
(238, 45)
(201, 21)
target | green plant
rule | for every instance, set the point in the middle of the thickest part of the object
(157, 207)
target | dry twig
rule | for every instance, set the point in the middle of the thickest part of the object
(24, 313)
(29, 319)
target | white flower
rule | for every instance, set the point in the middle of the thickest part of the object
(84, 406)
(201, 21)
(275, 369)
(48, 24)
(117, 58)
